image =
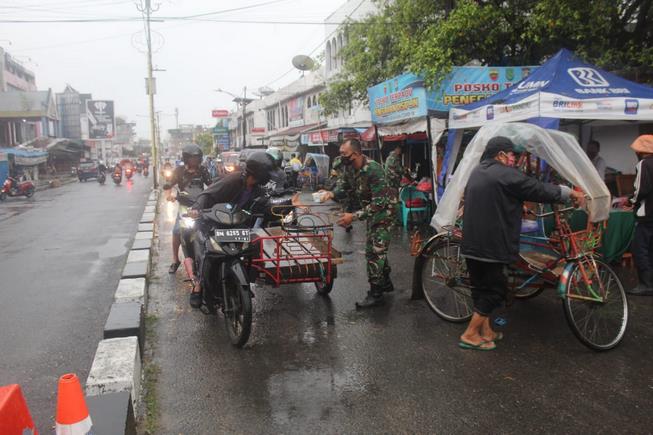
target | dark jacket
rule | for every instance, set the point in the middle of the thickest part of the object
(494, 198)
(183, 178)
(228, 190)
(643, 196)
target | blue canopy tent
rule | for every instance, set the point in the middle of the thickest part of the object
(21, 157)
(564, 87)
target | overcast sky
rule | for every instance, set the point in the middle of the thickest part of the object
(107, 58)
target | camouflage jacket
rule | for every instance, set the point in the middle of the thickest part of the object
(368, 185)
(394, 171)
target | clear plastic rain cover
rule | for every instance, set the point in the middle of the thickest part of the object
(560, 150)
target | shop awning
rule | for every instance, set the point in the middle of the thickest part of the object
(26, 156)
(292, 134)
(334, 135)
(57, 145)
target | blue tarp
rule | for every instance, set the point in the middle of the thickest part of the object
(23, 152)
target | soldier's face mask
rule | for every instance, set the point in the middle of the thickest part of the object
(347, 160)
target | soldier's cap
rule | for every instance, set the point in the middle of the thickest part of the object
(496, 145)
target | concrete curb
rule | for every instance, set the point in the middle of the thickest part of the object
(117, 364)
(63, 183)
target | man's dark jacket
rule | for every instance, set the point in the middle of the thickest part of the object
(494, 198)
(227, 190)
(643, 196)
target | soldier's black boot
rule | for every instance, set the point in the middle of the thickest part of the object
(374, 298)
(388, 287)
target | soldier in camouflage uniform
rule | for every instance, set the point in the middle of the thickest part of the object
(394, 172)
(369, 187)
(341, 179)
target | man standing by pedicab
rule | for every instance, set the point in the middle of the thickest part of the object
(369, 187)
(494, 198)
(642, 201)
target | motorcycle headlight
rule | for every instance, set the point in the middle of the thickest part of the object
(187, 222)
(229, 168)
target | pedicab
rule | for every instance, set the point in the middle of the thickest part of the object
(592, 296)
(315, 171)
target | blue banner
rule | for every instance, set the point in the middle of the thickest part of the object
(468, 84)
(402, 97)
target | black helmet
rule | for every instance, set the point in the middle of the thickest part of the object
(191, 150)
(259, 165)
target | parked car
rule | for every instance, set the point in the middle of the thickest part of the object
(87, 170)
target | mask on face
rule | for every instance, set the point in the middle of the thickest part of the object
(347, 161)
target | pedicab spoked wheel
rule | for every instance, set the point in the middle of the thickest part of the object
(445, 281)
(598, 324)
(29, 193)
(237, 310)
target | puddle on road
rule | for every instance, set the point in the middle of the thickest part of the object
(113, 248)
(311, 394)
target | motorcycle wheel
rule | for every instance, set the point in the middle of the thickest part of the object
(30, 192)
(237, 310)
(3, 196)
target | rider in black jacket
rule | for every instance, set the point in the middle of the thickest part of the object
(242, 189)
(191, 174)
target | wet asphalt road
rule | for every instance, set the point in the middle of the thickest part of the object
(62, 253)
(315, 365)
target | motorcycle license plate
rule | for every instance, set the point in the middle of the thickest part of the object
(232, 235)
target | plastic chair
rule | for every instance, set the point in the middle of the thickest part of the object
(409, 193)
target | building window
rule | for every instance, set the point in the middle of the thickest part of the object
(340, 46)
(328, 56)
(272, 121)
(334, 54)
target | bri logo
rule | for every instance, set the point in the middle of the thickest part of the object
(588, 77)
(631, 106)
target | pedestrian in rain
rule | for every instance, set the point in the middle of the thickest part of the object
(369, 187)
(642, 201)
(494, 199)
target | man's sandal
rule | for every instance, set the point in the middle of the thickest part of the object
(470, 346)
(173, 267)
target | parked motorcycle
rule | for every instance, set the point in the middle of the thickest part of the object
(13, 187)
(117, 177)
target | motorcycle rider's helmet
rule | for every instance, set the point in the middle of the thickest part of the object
(260, 166)
(277, 156)
(189, 151)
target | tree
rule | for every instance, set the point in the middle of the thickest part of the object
(429, 37)
(205, 141)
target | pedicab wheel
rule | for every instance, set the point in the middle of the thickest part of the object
(237, 311)
(515, 277)
(29, 193)
(445, 282)
(598, 325)
(323, 288)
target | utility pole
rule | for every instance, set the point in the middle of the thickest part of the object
(244, 117)
(176, 117)
(147, 12)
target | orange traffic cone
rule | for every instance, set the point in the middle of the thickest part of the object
(14, 414)
(72, 413)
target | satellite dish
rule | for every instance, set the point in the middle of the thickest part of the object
(303, 62)
(265, 91)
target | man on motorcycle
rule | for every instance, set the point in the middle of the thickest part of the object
(191, 174)
(243, 189)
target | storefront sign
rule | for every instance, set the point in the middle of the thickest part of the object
(219, 113)
(101, 123)
(257, 130)
(296, 112)
(402, 97)
(469, 84)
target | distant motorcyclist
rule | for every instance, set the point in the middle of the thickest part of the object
(191, 174)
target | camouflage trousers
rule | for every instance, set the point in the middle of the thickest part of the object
(376, 253)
